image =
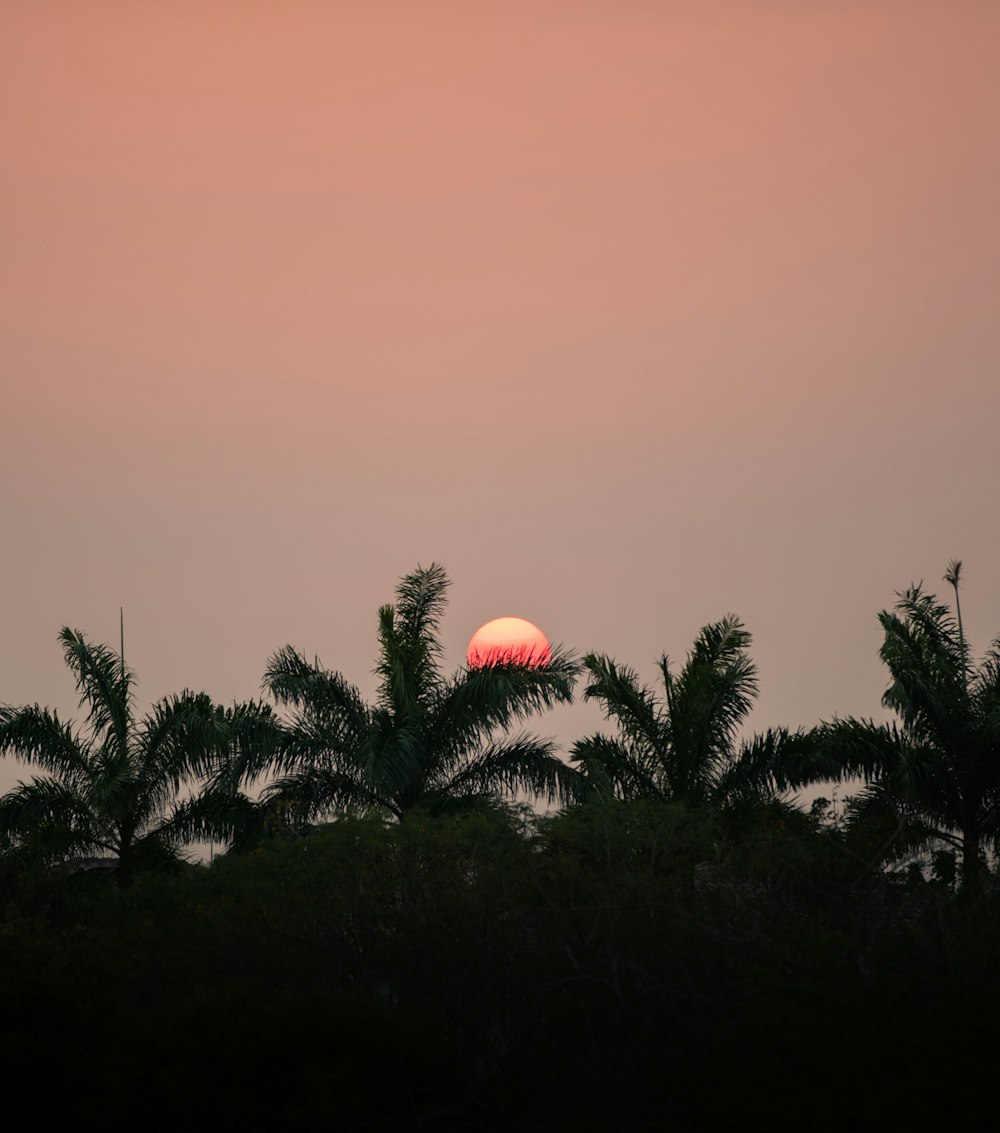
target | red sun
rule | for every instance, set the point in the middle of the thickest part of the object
(508, 641)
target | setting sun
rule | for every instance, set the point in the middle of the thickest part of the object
(508, 640)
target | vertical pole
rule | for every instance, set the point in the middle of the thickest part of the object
(952, 576)
(121, 617)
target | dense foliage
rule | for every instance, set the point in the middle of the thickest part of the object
(626, 966)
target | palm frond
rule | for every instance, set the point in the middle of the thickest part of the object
(720, 644)
(400, 762)
(925, 655)
(928, 690)
(476, 702)
(406, 669)
(710, 699)
(181, 734)
(630, 704)
(117, 795)
(409, 647)
(104, 684)
(45, 808)
(985, 695)
(618, 769)
(190, 735)
(421, 598)
(316, 792)
(212, 815)
(294, 681)
(329, 719)
(767, 763)
(522, 763)
(933, 626)
(35, 735)
(850, 748)
(302, 743)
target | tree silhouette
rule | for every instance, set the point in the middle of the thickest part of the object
(681, 746)
(120, 787)
(428, 741)
(938, 768)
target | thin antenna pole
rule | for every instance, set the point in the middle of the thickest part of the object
(121, 618)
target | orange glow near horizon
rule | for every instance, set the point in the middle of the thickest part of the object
(511, 641)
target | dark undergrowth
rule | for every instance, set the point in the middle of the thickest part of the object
(624, 967)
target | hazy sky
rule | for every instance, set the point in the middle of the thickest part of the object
(630, 313)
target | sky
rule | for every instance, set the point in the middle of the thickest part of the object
(631, 314)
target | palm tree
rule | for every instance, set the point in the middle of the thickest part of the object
(429, 741)
(683, 746)
(938, 767)
(118, 788)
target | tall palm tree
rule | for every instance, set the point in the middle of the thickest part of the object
(938, 766)
(429, 740)
(681, 746)
(120, 787)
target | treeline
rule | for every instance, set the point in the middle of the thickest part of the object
(138, 790)
(391, 942)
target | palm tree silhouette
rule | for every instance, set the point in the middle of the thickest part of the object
(120, 788)
(938, 768)
(428, 741)
(681, 746)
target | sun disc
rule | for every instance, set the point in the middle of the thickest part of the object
(508, 641)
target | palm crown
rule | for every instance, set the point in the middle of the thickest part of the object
(939, 766)
(120, 786)
(429, 740)
(682, 746)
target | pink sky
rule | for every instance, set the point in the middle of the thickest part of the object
(631, 314)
